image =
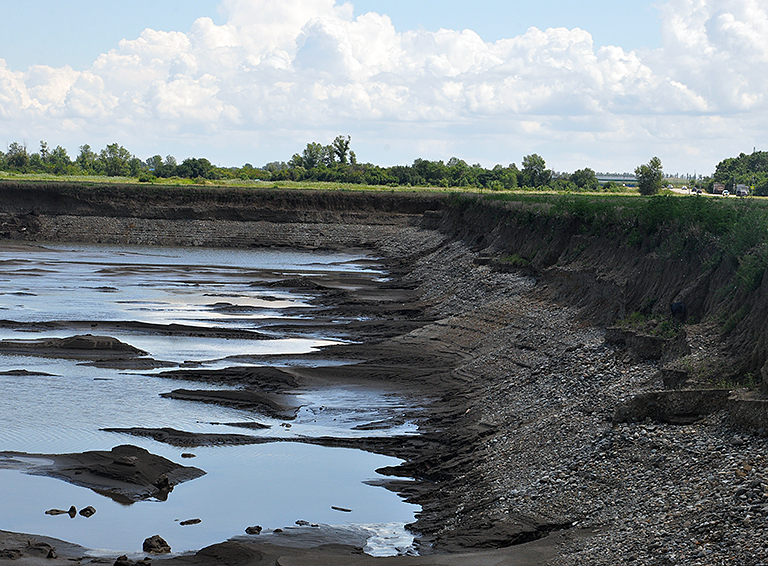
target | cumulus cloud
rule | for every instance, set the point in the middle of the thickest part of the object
(310, 64)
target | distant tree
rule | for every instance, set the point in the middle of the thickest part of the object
(274, 166)
(649, 177)
(136, 166)
(155, 163)
(311, 157)
(17, 156)
(507, 176)
(295, 162)
(585, 179)
(340, 148)
(86, 160)
(115, 161)
(534, 172)
(36, 163)
(748, 169)
(58, 161)
(431, 172)
(44, 153)
(193, 168)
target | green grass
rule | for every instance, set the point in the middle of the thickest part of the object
(650, 325)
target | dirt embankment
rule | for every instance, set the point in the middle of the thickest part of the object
(604, 275)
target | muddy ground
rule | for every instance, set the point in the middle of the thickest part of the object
(403, 341)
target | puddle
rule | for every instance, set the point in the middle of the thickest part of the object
(271, 485)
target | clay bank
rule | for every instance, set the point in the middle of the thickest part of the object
(584, 362)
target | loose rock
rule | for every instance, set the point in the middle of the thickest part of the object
(190, 522)
(156, 545)
(88, 511)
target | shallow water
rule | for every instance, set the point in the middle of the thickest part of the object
(272, 485)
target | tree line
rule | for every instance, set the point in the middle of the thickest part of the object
(746, 169)
(337, 162)
(112, 161)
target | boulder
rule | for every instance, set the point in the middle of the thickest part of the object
(156, 545)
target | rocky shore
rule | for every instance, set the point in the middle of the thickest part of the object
(525, 456)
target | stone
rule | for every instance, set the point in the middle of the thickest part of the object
(156, 545)
(188, 455)
(190, 522)
(88, 511)
(254, 530)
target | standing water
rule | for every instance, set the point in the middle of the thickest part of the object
(51, 405)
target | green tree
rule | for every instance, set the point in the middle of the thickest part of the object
(86, 160)
(507, 176)
(155, 163)
(36, 163)
(535, 172)
(311, 157)
(193, 168)
(649, 177)
(136, 166)
(44, 152)
(17, 156)
(115, 161)
(585, 179)
(58, 161)
(340, 147)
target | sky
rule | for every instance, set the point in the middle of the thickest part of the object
(583, 83)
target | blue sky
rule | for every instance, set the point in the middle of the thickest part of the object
(41, 32)
(598, 84)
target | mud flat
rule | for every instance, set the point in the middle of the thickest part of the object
(522, 456)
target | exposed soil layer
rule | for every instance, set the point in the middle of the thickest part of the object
(521, 440)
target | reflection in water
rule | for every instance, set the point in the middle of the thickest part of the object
(62, 408)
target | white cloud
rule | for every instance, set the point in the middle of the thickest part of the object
(309, 65)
